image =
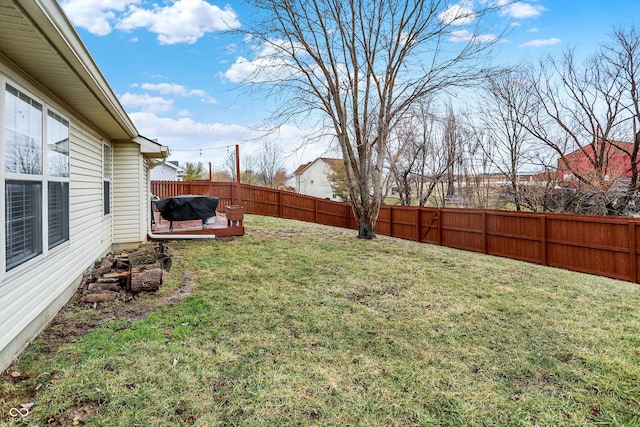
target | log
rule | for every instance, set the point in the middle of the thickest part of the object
(105, 266)
(105, 286)
(116, 275)
(122, 265)
(103, 296)
(145, 278)
(108, 280)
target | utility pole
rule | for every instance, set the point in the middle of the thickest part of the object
(236, 193)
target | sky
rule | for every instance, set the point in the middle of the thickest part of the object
(177, 66)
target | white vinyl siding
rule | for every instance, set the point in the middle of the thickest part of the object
(31, 293)
(42, 56)
(128, 185)
(314, 181)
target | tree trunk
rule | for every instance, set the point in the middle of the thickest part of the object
(366, 218)
(516, 193)
(366, 230)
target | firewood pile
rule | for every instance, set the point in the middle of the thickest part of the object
(125, 274)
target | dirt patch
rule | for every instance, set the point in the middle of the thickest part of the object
(78, 318)
(77, 414)
(75, 319)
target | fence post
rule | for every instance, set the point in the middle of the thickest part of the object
(439, 213)
(279, 204)
(235, 191)
(315, 210)
(543, 239)
(484, 232)
(633, 258)
(419, 224)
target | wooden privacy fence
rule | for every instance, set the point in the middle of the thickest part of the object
(605, 246)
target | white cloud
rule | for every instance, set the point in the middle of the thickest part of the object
(268, 66)
(94, 16)
(172, 88)
(146, 102)
(457, 14)
(185, 133)
(466, 36)
(241, 70)
(261, 70)
(521, 10)
(192, 141)
(540, 42)
(184, 21)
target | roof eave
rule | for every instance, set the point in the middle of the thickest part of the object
(150, 148)
(49, 18)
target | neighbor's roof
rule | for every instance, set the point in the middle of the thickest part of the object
(327, 160)
(616, 147)
(38, 39)
(175, 166)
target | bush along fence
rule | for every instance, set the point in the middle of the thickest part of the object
(605, 246)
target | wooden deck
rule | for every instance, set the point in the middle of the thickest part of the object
(217, 226)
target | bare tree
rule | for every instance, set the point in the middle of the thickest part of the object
(404, 153)
(268, 164)
(579, 108)
(452, 142)
(621, 63)
(505, 102)
(474, 166)
(362, 64)
(230, 163)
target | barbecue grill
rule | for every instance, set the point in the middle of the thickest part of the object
(187, 208)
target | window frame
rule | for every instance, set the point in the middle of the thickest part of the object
(44, 179)
(107, 173)
(63, 179)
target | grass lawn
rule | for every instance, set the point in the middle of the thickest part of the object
(300, 324)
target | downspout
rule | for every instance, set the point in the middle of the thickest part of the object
(156, 237)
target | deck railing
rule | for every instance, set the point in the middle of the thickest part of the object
(605, 246)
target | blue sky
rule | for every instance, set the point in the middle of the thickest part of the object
(176, 68)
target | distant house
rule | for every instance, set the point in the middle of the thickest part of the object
(75, 171)
(169, 171)
(312, 178)
(617, 162)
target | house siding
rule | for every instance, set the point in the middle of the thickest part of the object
(164, 173)
(314, 181)
(32, 293)
(130, 212)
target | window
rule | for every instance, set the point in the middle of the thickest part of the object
(23, 209)
(58, 176)
(57, 146)
(23, 130)
(28, 182)
(58, 204)
(106, 178)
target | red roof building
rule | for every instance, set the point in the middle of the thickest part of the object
(613, 155)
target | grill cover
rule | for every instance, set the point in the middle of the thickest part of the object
(187, 208)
